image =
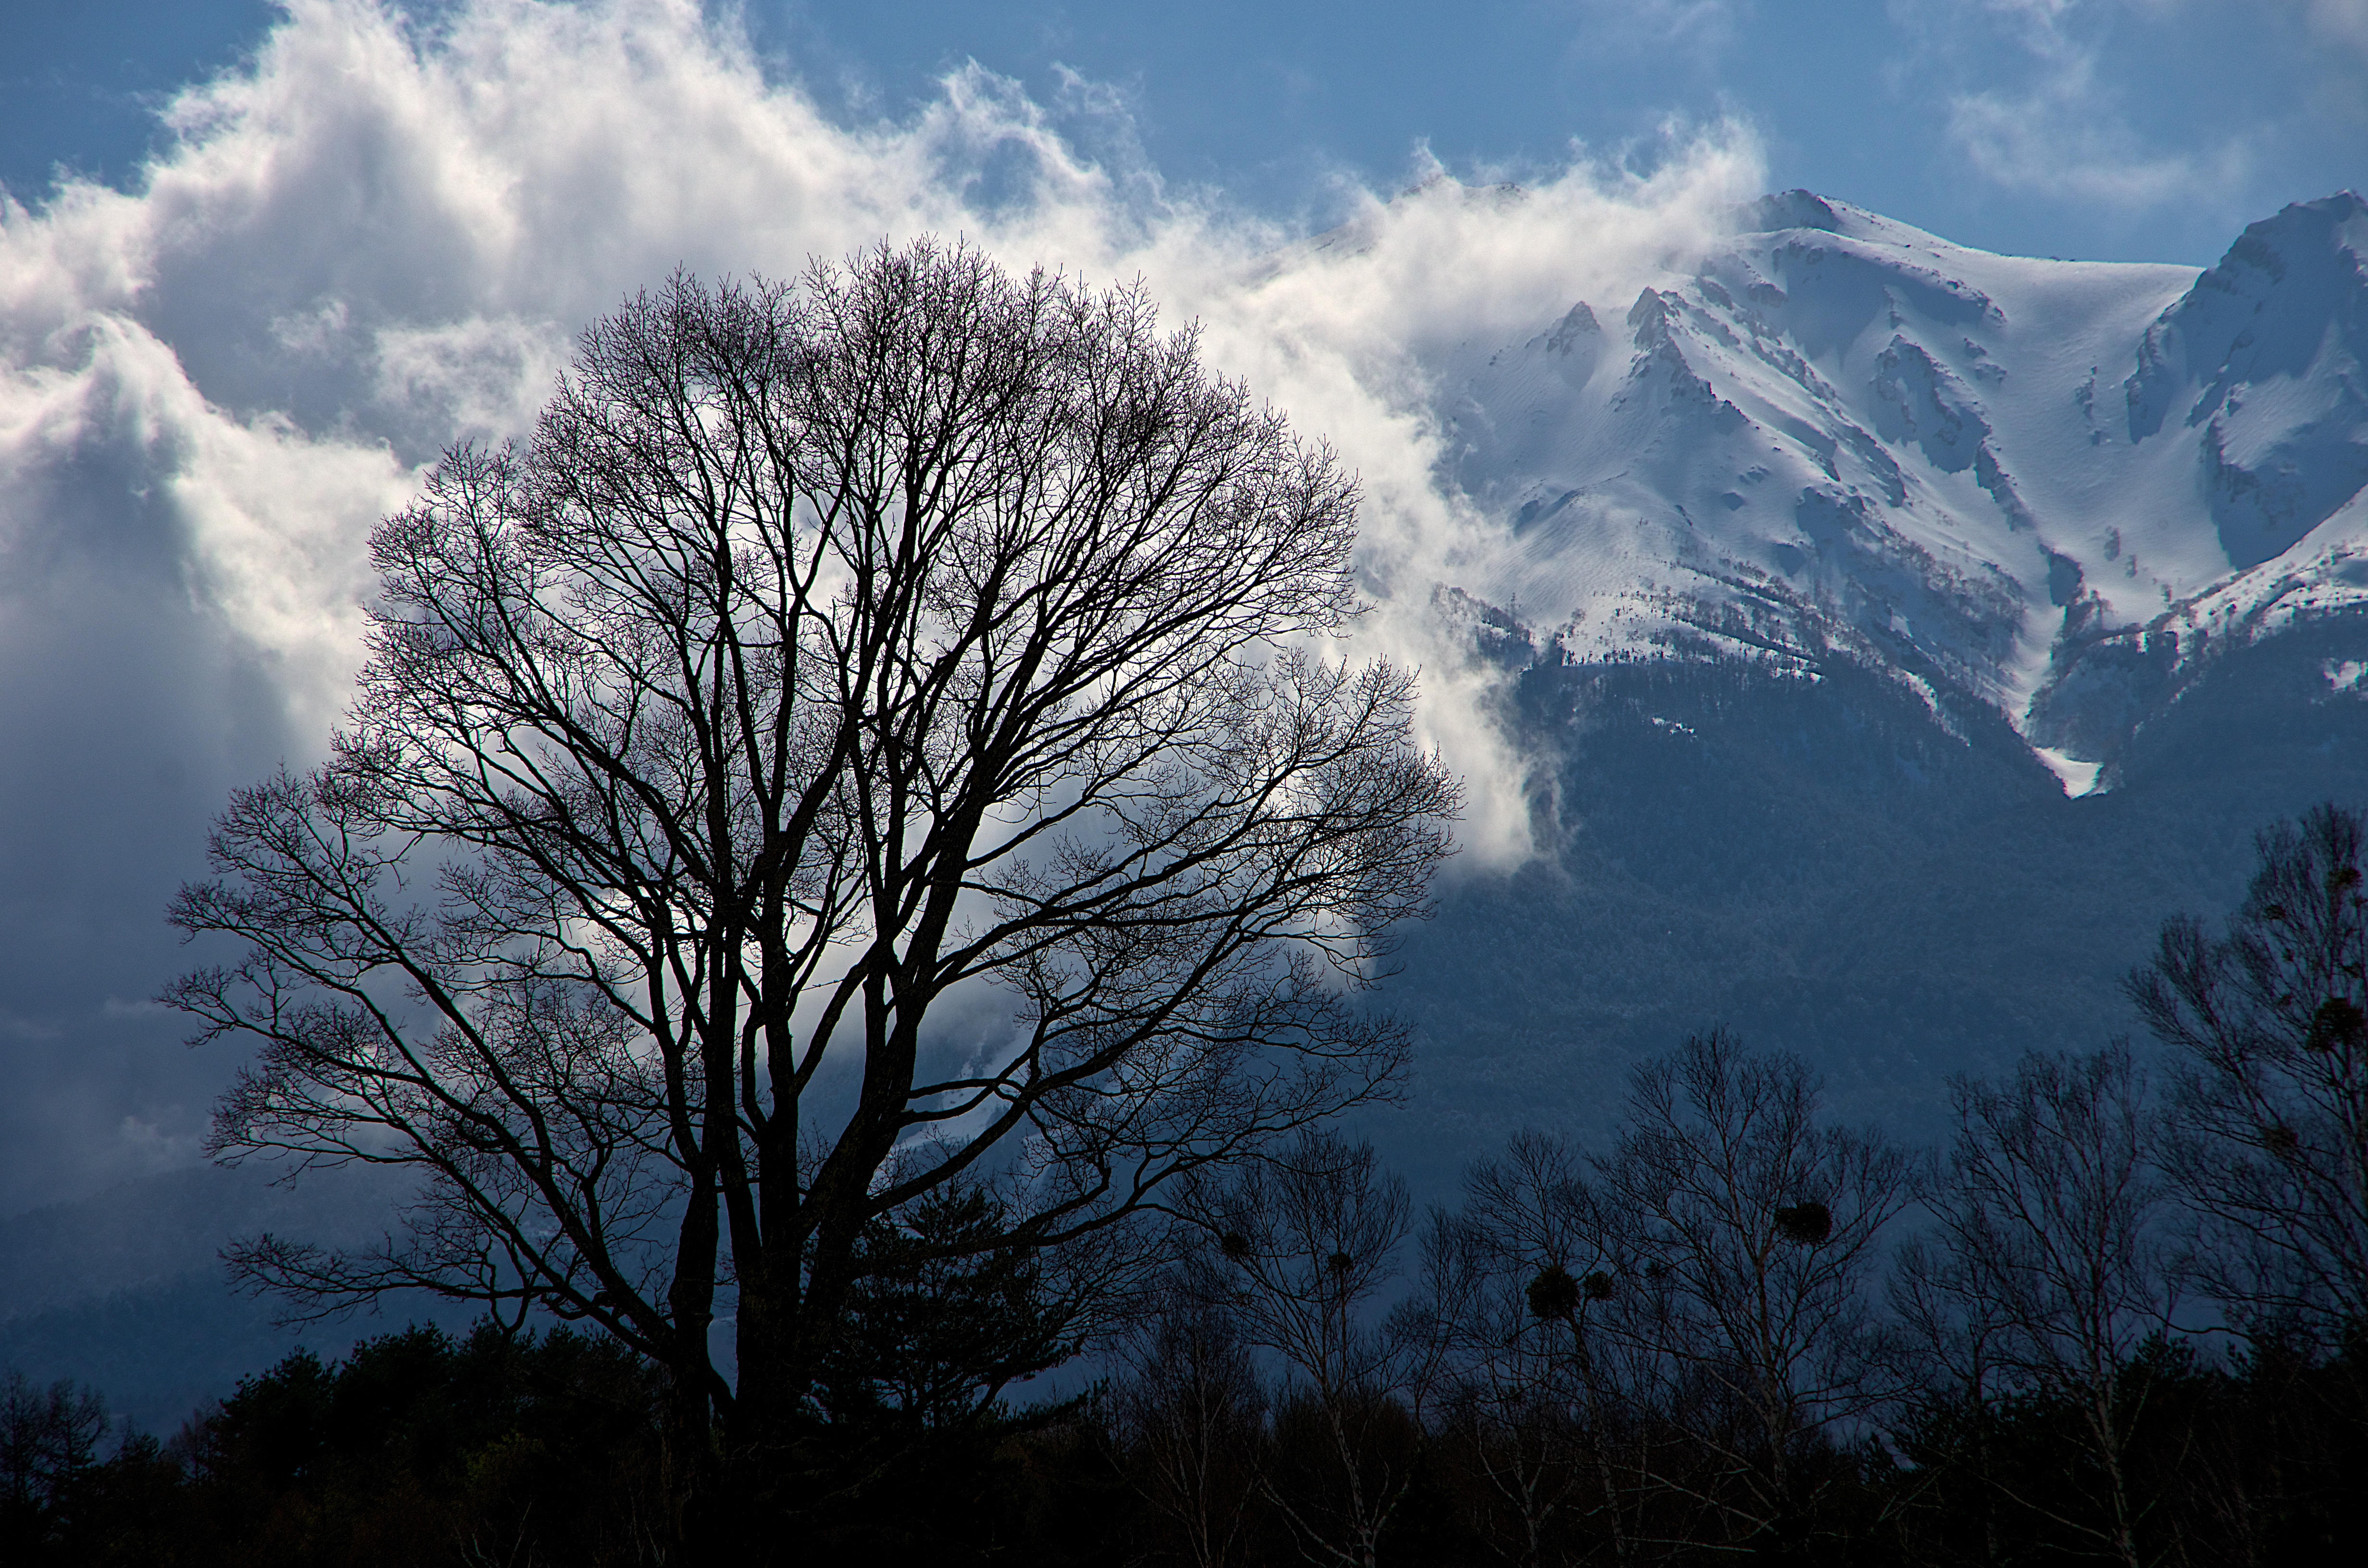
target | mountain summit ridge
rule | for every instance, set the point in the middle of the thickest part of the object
(2056, 488)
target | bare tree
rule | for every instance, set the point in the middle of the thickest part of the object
(2270, 1110)
(1750, 1238)
(1522, 1280)
(876, 733)
(1306, 1243)
(1193, 1407)
(2050, 1210)
(1953, 1329)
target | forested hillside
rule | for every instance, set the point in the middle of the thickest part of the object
(2116, 1315)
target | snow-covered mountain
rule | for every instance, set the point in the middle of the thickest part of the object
(1899, 634)
(2057, 488)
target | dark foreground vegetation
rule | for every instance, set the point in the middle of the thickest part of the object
(425, 1450)
(2119, 1319)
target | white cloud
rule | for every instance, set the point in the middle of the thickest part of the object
(1699, 24)
(2061, 132)
(2058, 126)
(2339, 21)
(2056, 141)
(380, 238)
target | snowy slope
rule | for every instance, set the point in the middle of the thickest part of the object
(2049, 486)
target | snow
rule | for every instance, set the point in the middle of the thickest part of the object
(1843, 432)
(2079, 778)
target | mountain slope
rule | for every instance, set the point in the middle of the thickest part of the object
(1899, 633)
(2027, 482)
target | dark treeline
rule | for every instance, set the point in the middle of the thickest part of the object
(2119, 1318)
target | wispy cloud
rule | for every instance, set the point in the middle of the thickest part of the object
(1653, 23)
(2058, 128)
(380, 236)
(2343, 22)
(2058, 140)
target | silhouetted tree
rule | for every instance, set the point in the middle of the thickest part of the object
(908, 1413)
(1954, 1328)
(2269, 1029)
(2056, 1273)
(916, 634)
(1304, 1243)
(1748, 1233)
(1521, 1280)
(419, 1448)
(51, 1442)
(1192, 1408)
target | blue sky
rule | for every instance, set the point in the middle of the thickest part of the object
(260, 264)
(2127, 130)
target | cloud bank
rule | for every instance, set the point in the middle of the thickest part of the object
(379, 236)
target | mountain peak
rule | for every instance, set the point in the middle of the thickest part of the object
(2337, 222)
(1789, 209)
(2281, 324)
(1835, 431)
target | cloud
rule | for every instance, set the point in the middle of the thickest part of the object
(2342, 22)
(2060, 130)
(379, 236)
(1697, 24)
(2052, 143)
